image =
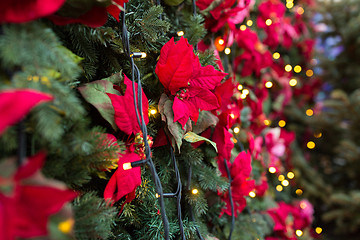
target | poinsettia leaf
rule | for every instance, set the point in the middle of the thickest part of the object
(95, 94)
(193, 137)
(208, 78)
(206, 119)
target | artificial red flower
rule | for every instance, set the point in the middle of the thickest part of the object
(26, 208)
(181, 74)
(262, 187)
(19, 11)
(240, 171)
(271, 9)
(15, 104)
(125, 112)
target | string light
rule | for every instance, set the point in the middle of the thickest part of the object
(279, 188)
(300, 11)
(227, 51)
(243, 96)
(288, 68)
(234, 140)
(143, 55)
(153, 111)
(290, 175)
(246, 91)
(194, 191)
(299, 192)
(268, 22)
(310, 145)
(272, 170)
(127, 166)
(268, 84)
(236, 130)
(318, 230)
(309, 112)
(309, 73)
(285, 183)
(242, 27)
(180, 33)
(297, 69)
(249, 23)
(303, 205)
(232, 115)
(157, 195)
(318, 135)
(252, 194)
(221, 41)
(66, 226)
(267, 122)
(240, 87)
(282, 123)
(299, 233)
(276, 55)
(281, 178)
(293, 82)
(289, 5)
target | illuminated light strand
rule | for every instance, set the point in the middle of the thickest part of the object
(180, 33)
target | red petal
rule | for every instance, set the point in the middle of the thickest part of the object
(15, 104)
(204, 99)
(181, 111)
(33, 165)
(208, 78)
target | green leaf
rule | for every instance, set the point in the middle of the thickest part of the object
(193, 137)
(95, 94)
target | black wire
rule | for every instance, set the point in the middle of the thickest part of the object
(140, 118)
(21, 151)
(231, 200)
(194, 14)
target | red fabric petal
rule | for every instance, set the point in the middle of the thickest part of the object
(181, 111)
(18, 11)
(33, 164)
(208, 78)
(125, 115)
(15, 104)
(114, 10)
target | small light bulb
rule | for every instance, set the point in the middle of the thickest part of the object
(279, 188)
(303, 205)
(240, 87)
(66, 226)
(288, 67)
(195, 191)
(272, 170)
(281, 178)
(232, 115)
(293, 82)
(153, 111)
(252, 194)
(157, 195)
(299, 191)
(290, 175)
(242, 27)
(285, 183)
(309, 73)
(143, 55)
(243, 96)
(318, 135)
(299, 233)
(282, 123)
(268, 84)
(127, 166)
(267, 122)
(289, 5)
(249, 23)
(236, 130)
(297, 69)
(309, 112)
(318, 230)
(245, 91)
(310, 145)
(276, 55)
(180, 33)
(227, 51)
(268, 22)
(221, 41)
(234, 140)
(300, 11)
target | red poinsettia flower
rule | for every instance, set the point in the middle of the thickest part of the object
(15, 104)
(18, 11)
(25, 210)
(240, 171)
(192, 85)
(271, 9)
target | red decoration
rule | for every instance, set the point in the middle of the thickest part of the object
(15, 104)
(181, 74)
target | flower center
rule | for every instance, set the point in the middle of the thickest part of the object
(183, 94)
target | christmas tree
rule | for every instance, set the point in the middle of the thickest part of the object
(157, 120)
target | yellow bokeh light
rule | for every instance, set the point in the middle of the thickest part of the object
(318, 135)
(285, 183)
(309, 112)
(303, 205)
(289, 5)
(242, 27)
(267, 122)
(221, 41)
(293, 82)
(245, 91)
(236, 130)
(268, 84)
(276, 55)
(268, 22)
(318, 230)
(252, 194)
(157, 195)
(290, 175)
(288, 67)
(127, 166)
(310, 145)
(232, 115)
(249, 23)
(279, 188)
(180, 33)
(195, 191)
(243, 96)
(66, 226)
(227, 51)
(153, 111)
(309, 73)
(272, 170)
(281, 178)
(297, 69)
(299, 191)
(300, 11)
(143, 55)
(299, 233)
(282, 123)
(240, 87)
